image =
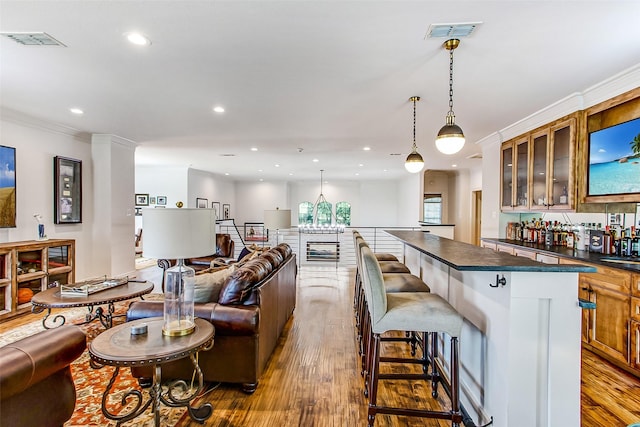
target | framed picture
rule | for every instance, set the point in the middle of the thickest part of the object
(142, 200)
(152, 200)
(67, 190)
(216, 208)
(7, 187)
(202, 203)
(138, 211)
(161, 200)
(226, 211)
(255, 232)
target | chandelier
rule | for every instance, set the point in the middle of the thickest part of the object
(316, 228)
(414, 162)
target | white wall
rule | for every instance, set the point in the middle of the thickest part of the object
(253, 198)
(36, 144)
(214, 188)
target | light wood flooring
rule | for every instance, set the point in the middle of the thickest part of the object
(313, 377)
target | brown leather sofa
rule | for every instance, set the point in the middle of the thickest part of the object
(36, 387)
(253, 306)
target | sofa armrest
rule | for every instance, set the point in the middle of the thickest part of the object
(227, 320)
(32, 359)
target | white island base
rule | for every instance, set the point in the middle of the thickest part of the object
(520, 343)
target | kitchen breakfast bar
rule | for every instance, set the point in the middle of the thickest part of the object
(520, 343)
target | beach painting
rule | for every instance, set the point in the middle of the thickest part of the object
(614, 159)
(7, 187)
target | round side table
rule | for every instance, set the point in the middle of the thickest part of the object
(118, 347)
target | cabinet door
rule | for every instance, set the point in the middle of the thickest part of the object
(608, 322)
(540, 170)
(522, 194)
(524, 253)
(561, 155)
(506, 169)
(584, 292)
(635, 345)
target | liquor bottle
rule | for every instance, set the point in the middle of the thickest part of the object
(564, 196)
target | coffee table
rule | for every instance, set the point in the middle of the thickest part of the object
(118, 347)
(51, 298)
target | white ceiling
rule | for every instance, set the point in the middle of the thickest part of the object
(327, 77)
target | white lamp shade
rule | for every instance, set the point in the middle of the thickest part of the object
(450, 145)
(178, 233)
(279, 219)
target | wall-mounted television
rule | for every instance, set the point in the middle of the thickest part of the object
(614, 160)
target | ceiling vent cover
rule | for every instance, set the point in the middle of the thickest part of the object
(33, 39)
(448, 31)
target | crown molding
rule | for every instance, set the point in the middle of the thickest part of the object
(105, 138)
(23, 119)
(620, 83)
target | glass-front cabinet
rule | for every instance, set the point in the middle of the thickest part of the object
(515, 180)
(30, 267)
(562, 155)
(537, 169)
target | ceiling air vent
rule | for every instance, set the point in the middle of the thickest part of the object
(475, 156)
(448, 31)
(33, 39)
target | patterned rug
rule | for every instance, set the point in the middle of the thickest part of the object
(91, 383)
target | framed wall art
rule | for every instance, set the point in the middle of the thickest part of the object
(201, 203)
(216, 208)
(142, 199)
(7, 187)
(226, 211)
(161, 200)
(67, 190)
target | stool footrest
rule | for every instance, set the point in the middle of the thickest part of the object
(455, 417)
(404, 360)
(404, 376)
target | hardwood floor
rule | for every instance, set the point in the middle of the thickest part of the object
(313, 377)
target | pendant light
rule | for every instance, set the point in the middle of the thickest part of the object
(450, 139)
(414, 162)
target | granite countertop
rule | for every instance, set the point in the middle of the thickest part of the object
(466, 257)
(631, 264)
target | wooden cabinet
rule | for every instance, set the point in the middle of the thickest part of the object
(608, 328)
(488, 245)
(635, 345)
(537, 168)
(29, 267)
(505, 248)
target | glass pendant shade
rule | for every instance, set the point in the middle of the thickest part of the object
(414, 162)
(450, 139)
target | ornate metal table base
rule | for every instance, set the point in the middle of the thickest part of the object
(105, 318)
(171, 397)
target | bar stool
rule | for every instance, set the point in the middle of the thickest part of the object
(406, 311)
(393, 283)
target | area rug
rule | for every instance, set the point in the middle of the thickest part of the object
(91, 383)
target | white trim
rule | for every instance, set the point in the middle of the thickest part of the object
(620, 83)
(17, 117)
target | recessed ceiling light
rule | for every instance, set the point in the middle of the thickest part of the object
(291, 174)
(76, 111)
(361, 165)
(259, 170)
(219, 109)
(138, 39)
(261, 179)
(454, 166)
(315, 160)
(357, 174)
(367, 148)
(384, 170)
(254, 148)
(277, 165)
(226, 173)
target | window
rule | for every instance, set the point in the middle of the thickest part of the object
(343, 213)
(324, 213)
(433, 208)
(305, 213)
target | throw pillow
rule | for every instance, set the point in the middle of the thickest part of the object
(208, 285)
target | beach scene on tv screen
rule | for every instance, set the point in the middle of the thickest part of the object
(614, 159)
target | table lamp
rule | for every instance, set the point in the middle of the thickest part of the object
(178, 234)
(277, 220)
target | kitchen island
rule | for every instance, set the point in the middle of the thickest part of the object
(520, 343)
